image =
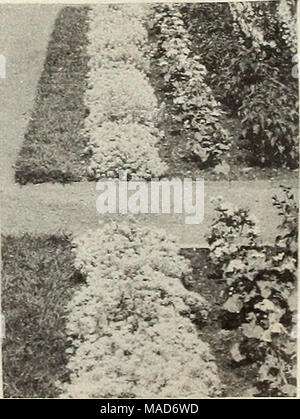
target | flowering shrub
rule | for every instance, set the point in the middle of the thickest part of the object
(260, 294)
(130, 325)
(129, 146)
(190, 100)
(121, 104)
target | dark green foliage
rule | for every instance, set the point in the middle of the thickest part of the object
(38, 280)
(211, 27)
(269, 120)
(236, 380)
(196, 115)
(54, 145)
(255, 84)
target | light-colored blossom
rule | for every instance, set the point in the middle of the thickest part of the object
(131, 324)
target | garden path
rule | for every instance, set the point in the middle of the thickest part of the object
(50, 208)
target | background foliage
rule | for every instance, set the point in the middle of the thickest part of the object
(249, 51)
(259, 292)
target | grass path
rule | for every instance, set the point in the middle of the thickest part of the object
(50, 208)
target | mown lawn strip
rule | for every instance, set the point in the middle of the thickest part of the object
(54, 144)
(38, 279)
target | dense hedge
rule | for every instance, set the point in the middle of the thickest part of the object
(201, 59)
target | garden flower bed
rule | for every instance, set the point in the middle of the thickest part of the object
(114, 93)
(109, 66)
(89, 314)
(112, 306)
(131, 325)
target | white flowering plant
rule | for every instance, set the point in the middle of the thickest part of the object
(117, 34)
(233, 233)
(130, 146)
(167, 360)
(132, 326)
(119, 93)
(122, 108)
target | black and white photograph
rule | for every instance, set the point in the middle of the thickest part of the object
(149, 200)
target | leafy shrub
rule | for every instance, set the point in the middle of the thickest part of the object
(130, 325)
(272, 92)
(270, 125)
(256, 22)
(233, 233)
(213, 40)
(240, 45)
(129, 146)
(268, 110)
(189, 99)
(260, 295)
(248, 51)
(267, 24)
(38, 280)
(288, 210)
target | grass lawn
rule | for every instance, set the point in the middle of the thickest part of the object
(53, 148)
(38, 279)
